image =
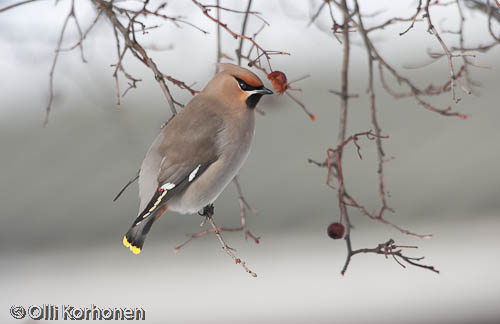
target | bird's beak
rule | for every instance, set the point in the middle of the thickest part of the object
(264, 91)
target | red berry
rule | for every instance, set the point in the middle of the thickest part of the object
(336, 231)
(278, 80)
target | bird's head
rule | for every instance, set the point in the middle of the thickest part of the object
(234, 83)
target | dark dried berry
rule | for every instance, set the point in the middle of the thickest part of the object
(336, 231)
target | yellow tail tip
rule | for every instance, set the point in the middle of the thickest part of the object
(125, 242)
(135, 250)
(132, 248)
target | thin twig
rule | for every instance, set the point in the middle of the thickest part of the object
(208, 212)
(227, 249)
(344, 100)
(243, 29)
(419, 7)
(244, 205)
(375, 123)
(84, 36)
(140, 53)
(387, 248)
(449, 55)
(16, 5)
(54, 63)
(265, 53)
(316, 15)
(219, 45)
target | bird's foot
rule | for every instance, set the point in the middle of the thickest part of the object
(208, 211)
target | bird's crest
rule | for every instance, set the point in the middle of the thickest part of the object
(237, 71)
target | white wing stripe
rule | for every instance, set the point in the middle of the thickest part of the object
(193, 173)
(168, 186)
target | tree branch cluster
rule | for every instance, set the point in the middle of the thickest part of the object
(354, 22)
(347, 22)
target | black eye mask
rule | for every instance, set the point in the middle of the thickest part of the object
(245, 86)
(253, 99)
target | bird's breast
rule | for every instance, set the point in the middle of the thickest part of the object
(233, 143)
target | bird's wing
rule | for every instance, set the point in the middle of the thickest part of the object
(188, 148)
(177, 179)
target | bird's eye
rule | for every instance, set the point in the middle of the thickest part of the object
(243, 86)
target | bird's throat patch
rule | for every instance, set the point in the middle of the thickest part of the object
(253, 100)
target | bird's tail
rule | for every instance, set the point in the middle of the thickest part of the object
(136, 235)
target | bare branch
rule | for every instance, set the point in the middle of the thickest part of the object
(265, 53)
(84, 35)
(243, 29)
(54, 62)
(244, 206)
(343, 116)
(386, 249)
(227, 249)
(371, 94)
(449, 55)
(208, 213)
(12, 6)
(246, 12)
(414, 18)
(316, 15)
(140, 53)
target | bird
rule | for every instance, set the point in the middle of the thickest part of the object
(199, 151)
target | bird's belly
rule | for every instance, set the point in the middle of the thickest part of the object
(205, 189)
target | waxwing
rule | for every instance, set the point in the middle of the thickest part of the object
(199, 151)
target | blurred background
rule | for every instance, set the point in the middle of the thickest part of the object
(61, 233)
